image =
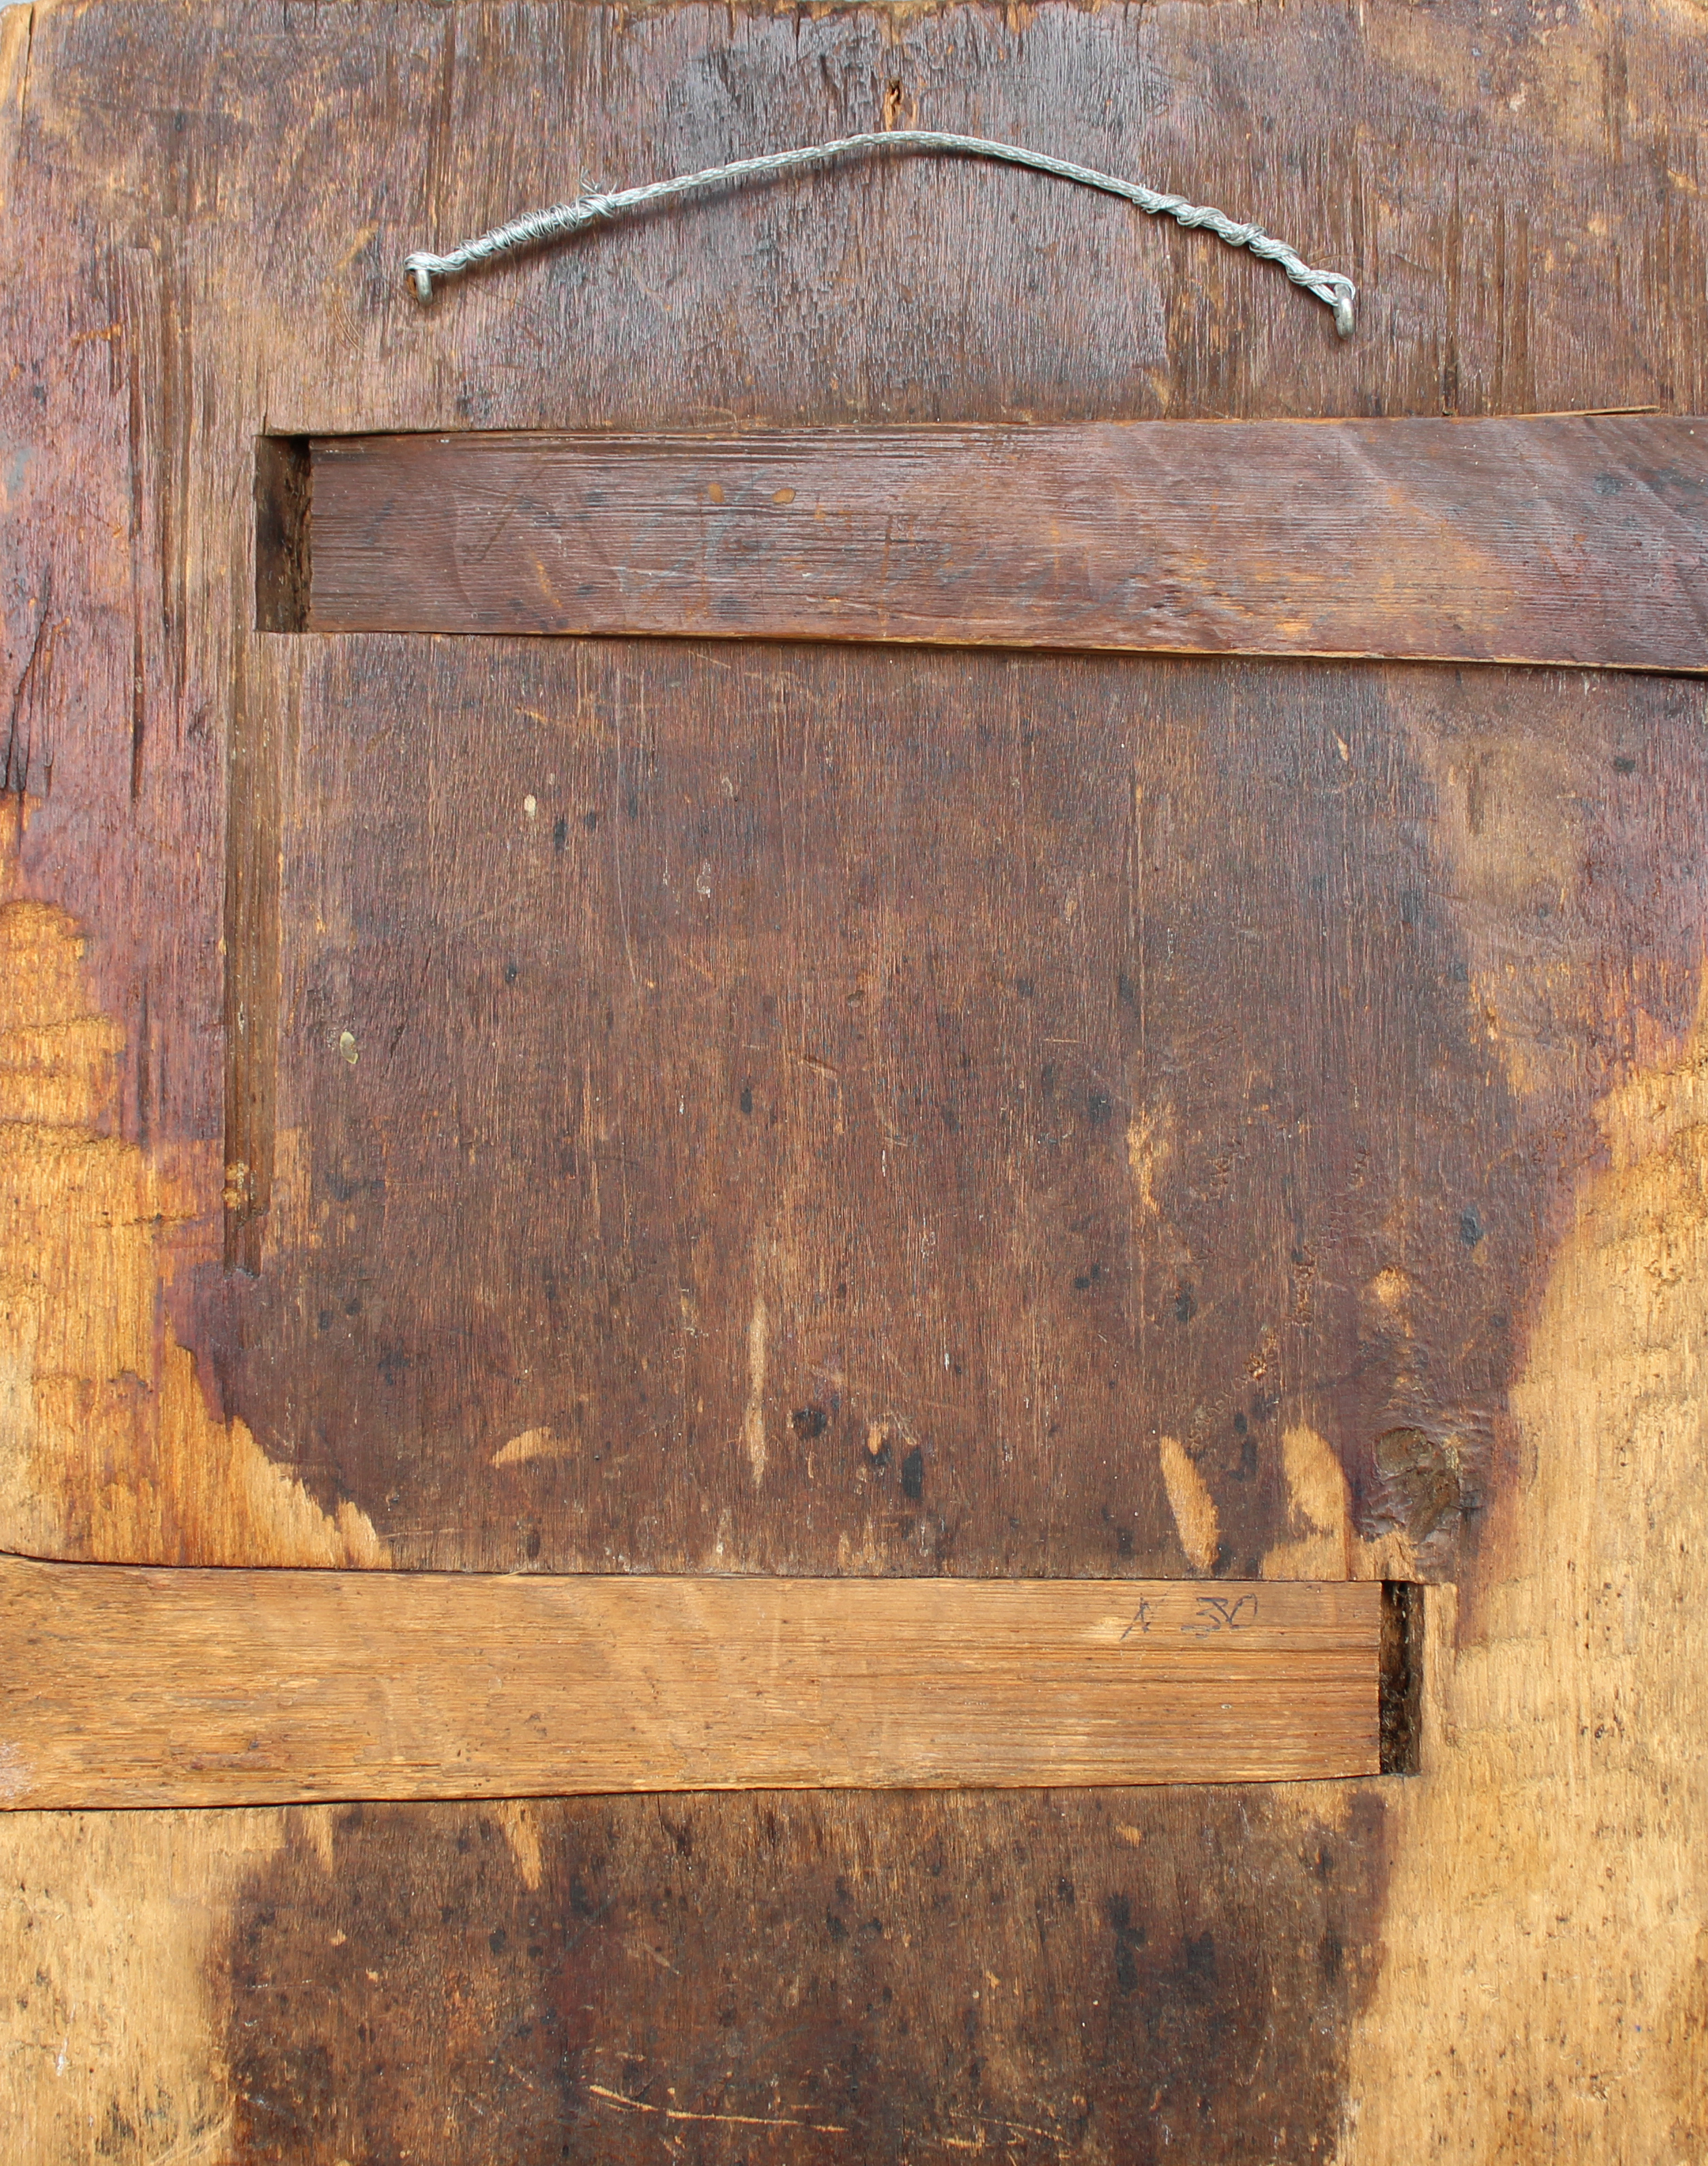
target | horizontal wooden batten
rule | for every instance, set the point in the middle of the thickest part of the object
(1571, 539)
(128, 1686)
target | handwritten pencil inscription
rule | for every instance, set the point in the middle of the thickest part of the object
(1210, 1614)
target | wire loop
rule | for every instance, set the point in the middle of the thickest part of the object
(535, 229)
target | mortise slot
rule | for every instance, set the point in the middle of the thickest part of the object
(283, 490)
(1402, 1676)
(253, 783)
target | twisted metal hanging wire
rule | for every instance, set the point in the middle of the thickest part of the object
(596, 207)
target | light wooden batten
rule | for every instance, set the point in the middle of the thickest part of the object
(128, 1686)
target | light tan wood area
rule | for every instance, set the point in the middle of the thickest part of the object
(136, 1686)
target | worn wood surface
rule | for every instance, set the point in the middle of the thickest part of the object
(246, 851)
(929, 1112)
(1501, 1959)
(1560, 540)
(762, 1978)
(136, 1686)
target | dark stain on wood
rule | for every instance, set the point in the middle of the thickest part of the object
(797, 1976)
(1017, 1059)
(397, 1992)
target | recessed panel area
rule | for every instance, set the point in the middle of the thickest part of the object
(817, 1109)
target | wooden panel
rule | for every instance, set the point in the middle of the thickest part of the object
(903, 1110)
(765, 1977)
(1561, 540)
(1276, 1972)
(139, 1687)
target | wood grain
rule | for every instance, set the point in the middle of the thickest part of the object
(1570, 541)
(210, 204)
(142, 1687)
(905, 1110)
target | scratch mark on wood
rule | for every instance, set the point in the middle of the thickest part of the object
(753, 1420)
(15, 774)
(735, 2120)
